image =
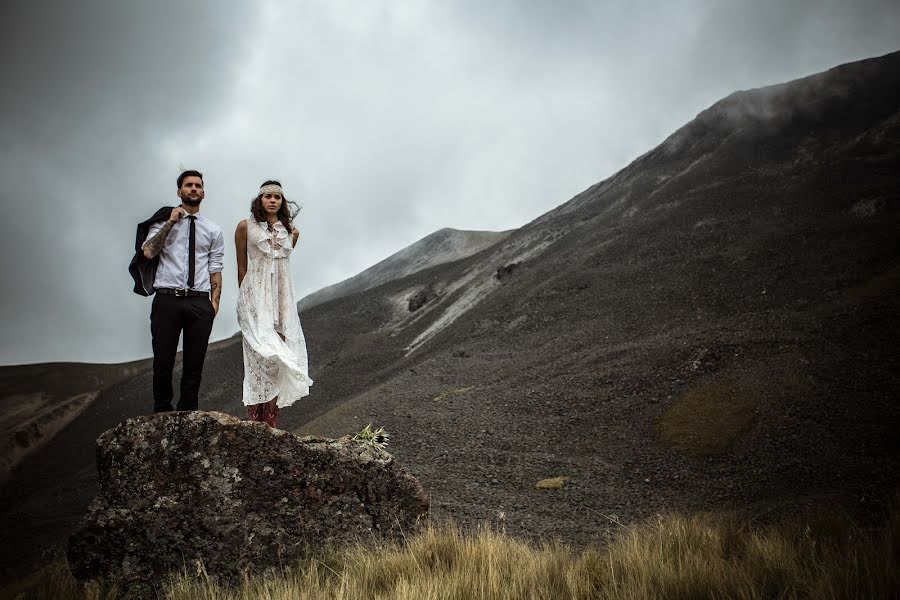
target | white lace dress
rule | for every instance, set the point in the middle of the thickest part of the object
(266, 307)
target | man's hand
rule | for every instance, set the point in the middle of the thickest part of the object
(177, 214)
(215, 293)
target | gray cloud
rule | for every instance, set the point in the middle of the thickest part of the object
(93, 89)
(386, 120)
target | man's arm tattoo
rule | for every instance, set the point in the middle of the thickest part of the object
(155, 244)
(216, 292)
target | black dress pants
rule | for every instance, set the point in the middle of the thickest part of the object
(170, 316)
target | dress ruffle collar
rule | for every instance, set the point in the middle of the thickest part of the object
(281, 247)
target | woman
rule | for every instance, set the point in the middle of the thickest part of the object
(276, 372)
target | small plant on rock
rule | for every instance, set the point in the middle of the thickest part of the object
(376, 437)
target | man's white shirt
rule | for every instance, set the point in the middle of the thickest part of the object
(209, 250)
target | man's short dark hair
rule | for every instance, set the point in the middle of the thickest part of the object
(189, 174)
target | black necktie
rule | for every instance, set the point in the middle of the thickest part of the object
(192, 243)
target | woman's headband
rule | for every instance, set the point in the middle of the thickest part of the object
(272, 188)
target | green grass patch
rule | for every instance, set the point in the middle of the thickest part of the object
(706, 420)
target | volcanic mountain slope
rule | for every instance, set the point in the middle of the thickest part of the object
(442, 246)
(714, 326)
(711, 327)
(37, 401)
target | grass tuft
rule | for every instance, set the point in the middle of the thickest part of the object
(676, 557)
(706, 420)
(552, 483)
(451, 392)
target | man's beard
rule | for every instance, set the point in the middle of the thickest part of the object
(192, 202)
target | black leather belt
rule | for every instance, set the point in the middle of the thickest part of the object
(180, 292)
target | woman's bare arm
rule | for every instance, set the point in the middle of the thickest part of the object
(240, 242)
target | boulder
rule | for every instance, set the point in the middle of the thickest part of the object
(182, 489)
(420, 298)
(506, 270)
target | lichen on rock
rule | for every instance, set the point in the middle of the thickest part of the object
(236, 495)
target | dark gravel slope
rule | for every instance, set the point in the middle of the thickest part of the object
(756, 249)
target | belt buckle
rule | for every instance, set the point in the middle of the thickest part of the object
(180, 292)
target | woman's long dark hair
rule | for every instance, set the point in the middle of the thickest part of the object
(284, 213)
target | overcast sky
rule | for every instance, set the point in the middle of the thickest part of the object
(386, 120)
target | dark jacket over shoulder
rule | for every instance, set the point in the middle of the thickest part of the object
(143, 269)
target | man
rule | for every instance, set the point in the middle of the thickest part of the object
(188, 285)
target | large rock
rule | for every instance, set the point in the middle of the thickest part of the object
(180, 487)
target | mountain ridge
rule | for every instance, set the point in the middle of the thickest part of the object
(442, 246)
(755, 260)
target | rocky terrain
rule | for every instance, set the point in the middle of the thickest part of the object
(713, 327)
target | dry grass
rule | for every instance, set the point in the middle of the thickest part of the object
(706, 420)
(552, 483)
(675, 557)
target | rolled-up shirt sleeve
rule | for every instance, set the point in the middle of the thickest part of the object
(217, 253)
